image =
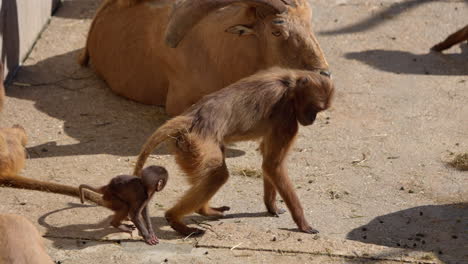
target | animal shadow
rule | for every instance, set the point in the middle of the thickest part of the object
(83, 9)
(92, 234)
(402, 62)
(100, 121)
(394, 10)
(441, 229)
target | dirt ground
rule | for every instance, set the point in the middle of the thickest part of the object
(371, 173)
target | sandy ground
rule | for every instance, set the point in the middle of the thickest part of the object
(371, 173)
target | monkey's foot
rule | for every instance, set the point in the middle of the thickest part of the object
(438, 48)
(126, 228)
(183, 229)
(213, 211)
(309, 230)
(276, 212)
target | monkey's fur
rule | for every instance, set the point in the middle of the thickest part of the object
(12, 159)
(453, 39)
(129, 195)
(268, 105)
(20, 242)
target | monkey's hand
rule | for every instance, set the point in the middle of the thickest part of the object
(152, 239)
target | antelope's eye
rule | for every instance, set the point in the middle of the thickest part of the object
(278, 21)
(276, 34)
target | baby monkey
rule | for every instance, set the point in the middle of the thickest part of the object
(128, 195)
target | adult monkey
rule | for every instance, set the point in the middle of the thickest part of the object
(171, 53)
(269, 106)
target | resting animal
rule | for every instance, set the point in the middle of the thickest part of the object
(267, 106)
(172, 53)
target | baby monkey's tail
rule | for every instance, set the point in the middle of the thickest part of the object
(86, 186)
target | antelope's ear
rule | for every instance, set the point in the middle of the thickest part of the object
(241, 30)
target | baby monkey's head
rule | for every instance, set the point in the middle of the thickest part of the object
(154, 178)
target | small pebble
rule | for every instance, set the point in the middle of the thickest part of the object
(410, 191)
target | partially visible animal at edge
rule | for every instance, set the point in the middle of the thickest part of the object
(172, 53)
(455, 38)
(12, 159)
(2, 87)
(20, 242)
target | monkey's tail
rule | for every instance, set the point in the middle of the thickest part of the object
(170, 129)
(32, 184)
(85, 186)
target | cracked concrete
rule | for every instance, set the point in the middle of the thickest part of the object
(397, 105)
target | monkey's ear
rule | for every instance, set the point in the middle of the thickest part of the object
(160, 185)
(241, 30)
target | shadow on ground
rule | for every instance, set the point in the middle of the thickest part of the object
(381, 17)
(441, 229)
(77, 9)
(403, 62)
(88, 235)
(101, 122)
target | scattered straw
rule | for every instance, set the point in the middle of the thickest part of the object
(248, 172)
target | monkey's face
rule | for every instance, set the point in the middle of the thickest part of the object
(313, 94)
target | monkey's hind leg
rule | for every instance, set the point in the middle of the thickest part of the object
(209, 174)
(453, 39)
(120, 215)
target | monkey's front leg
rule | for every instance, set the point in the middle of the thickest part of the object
(283, 184)
(269, 192)
(138, 221)
(149, 225)
(275, 147)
